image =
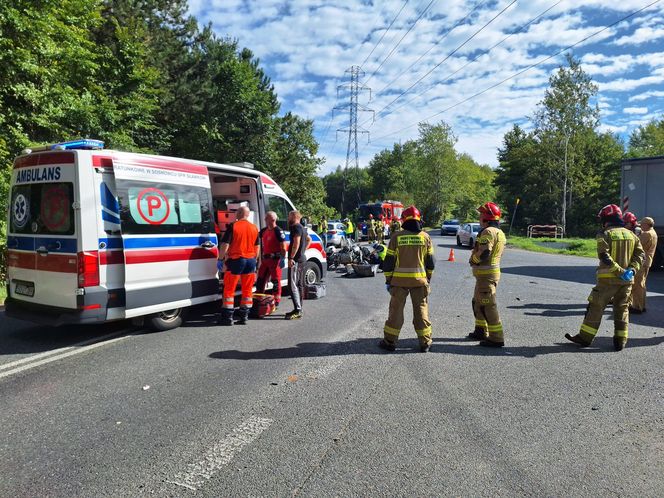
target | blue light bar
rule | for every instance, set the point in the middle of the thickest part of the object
(84, 143)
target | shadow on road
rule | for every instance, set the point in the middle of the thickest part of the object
(18, 338)
(552, 310)
(577, 274)
(441, 345)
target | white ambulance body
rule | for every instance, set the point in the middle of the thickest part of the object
(98, 235)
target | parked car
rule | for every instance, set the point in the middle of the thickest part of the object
(449, 227)
(467, 234)
(336, 233)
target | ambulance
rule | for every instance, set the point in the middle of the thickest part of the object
(98, 235)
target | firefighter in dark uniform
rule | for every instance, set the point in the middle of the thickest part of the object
(408, 267)
(620, 257)
(485, 262)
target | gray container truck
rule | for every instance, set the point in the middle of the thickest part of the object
(642, 190)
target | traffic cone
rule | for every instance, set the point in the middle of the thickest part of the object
(451, 257)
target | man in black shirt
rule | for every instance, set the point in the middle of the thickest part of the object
(299, 242)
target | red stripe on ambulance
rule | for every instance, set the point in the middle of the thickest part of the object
(45, 158)
(159, 256)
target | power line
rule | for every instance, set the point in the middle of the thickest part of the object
(448, 56)
(459, 23)
(528, 68)
(520, 28)
(402, 38)
(383, 36)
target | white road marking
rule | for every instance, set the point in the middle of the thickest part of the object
(221, 454)
(57, 354)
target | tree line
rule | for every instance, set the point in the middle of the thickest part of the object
(427, 172)
(143, 76)
(560, 165)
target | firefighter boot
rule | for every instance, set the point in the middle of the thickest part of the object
(491, 344)
(387, 346)
(478, 334)
(619, 340)
(578, 339)
(243, 315)
(226, 317)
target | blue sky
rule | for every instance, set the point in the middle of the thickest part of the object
(305, 46)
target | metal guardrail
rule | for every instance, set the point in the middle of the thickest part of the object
(550, 231)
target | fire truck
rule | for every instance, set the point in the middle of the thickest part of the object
(388, 210)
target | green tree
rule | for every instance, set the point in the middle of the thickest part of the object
(564, 120)
(648, 140)
(296, 165)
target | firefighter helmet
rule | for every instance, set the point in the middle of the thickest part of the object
(489, 212)
(630, 218)
(371, 216)
(411, 213)
(609, 211)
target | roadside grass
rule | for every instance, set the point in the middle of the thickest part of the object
(575, 247)
(3, 293)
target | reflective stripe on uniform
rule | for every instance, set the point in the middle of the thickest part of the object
(588, 329)
(391, 331)
(495, 328)
(481, 323)
(391, 252)
(621, 333)
(492, 271)
(414, 274)
(423, 332)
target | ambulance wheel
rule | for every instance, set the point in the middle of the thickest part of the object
(166, 320)
(312, 273)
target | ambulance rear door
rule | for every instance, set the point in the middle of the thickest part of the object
(170, 247)
(42, 237)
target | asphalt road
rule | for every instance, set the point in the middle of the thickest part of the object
(314, 408)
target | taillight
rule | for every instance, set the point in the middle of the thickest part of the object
(88, 269)
(331, 232)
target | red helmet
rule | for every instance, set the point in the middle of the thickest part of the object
(608, 211)
(411, 213)
(489, 212)
(630, 218)
(371, 216)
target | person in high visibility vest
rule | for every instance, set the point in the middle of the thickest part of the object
(485, 262)
(239, 250)
(377, 256)
(350, 229)
(408, 267)
(648, 239)
(620, 257)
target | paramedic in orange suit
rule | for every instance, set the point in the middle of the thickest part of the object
(238, 251)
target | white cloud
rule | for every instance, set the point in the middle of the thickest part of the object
(646, 96)
(306, 45)
(635, 110)
(640, 36)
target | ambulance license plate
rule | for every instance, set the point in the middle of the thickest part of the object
(24, 288)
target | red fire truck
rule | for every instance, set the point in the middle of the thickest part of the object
(388, 210)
